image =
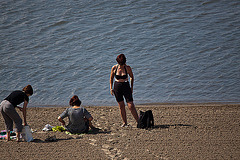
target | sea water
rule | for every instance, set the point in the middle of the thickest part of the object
(179, 51)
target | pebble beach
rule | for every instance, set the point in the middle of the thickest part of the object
(181, 131)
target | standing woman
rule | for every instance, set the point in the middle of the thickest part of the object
(122, 87)
(9, 113)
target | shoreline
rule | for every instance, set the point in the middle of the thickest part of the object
(146, 104)
(193, 131)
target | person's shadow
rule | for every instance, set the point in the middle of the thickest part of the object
(173, 125)
(98, 131)
(54, 139)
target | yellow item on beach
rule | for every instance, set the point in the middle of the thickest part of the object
(69, 133)
(58, 128)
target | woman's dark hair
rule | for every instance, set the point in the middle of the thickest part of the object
(28, 89)
(74, 101)
(121, 59)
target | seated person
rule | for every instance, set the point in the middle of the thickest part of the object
(79, 118)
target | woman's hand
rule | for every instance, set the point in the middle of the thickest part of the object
(112, 92)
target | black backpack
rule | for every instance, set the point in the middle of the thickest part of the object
(145, 120)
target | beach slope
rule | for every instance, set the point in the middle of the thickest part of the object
(182, 131)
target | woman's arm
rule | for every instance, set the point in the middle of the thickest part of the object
(111, 79)
(90, 119)
(24, 110)
(20, 108)
(90, 123)
(129, 70)
(61, 120)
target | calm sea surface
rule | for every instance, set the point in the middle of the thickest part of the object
(187, 51)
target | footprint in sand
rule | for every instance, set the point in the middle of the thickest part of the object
(109, 150)
(93, 142)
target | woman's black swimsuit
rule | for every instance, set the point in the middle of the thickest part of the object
(122, 89)
(121, 77)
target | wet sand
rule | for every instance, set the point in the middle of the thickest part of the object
(182, 131)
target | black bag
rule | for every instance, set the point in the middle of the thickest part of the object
(145, 120)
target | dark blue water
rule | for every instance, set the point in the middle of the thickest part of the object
(185, 51)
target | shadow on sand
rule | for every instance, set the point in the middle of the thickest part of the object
(51, 139)
(174, 125)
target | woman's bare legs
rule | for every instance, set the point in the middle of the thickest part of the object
(18, 137)
(123, 112)
(8, 136)
(131, 107)
(133, 110)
